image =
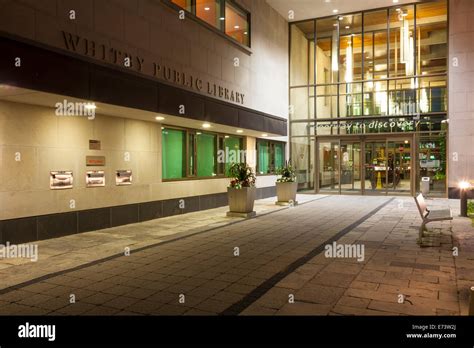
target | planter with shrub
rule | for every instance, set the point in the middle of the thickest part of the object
(241, 191)
(286, 185)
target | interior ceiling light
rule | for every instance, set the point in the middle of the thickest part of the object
(222, 18)
(206, 8)
(348, 76)
(239, 131)
(236, 27)
(206, 125)
(264, 135)
(407, 48)
(335, 11)
(159, 118)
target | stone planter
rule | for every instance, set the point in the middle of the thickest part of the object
(286, 192)
(241, 201)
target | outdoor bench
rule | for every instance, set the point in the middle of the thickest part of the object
(428, 215)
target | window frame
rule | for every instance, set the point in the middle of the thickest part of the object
(271, 145)
(188, 132)
(221, 32)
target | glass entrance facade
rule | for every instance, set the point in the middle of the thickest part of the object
(365, 166)
(361, 86)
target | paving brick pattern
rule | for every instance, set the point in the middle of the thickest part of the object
(76, 250)
(201, 274)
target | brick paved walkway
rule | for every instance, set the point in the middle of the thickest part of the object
(280, 257)
(76, 250)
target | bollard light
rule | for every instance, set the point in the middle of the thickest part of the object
(464, 186)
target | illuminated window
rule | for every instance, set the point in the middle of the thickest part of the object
(173, 153)
(210, 12)
(224, 15)
(271, 156)
(190, 153)
(186, 4)
(236, 24)
(233, 152)
(206, 155)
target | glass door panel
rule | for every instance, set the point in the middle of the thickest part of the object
(350, 168)
(329, 166)
(375, 167)
(399, 166)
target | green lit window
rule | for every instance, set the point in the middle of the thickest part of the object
(270, 156)
(206, 154)
(233, 152)
(191, 153)
(173, 150)
(279, 149)
(263, 157)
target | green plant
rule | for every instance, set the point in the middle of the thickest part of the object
(287, 173)
(242, 176)
(439, 176)
(470, 210)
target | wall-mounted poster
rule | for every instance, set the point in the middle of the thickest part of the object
(123, 177)
(59, 180)
(95, 178)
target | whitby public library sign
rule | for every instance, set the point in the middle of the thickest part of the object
(90, 48)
